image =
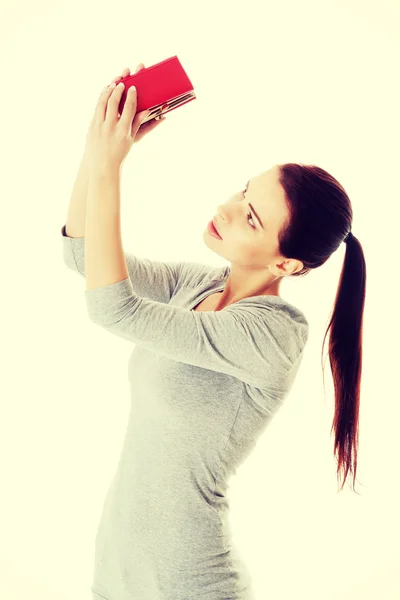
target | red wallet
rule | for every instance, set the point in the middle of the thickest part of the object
(160, 88)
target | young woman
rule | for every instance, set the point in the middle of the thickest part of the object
(216, 352)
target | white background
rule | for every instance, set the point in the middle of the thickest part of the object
(314, 82)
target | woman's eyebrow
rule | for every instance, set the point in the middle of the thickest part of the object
(252, 208)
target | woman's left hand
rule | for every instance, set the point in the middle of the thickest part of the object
(111, 137)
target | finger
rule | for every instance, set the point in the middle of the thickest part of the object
(125, 73)
(138, 122)
(129, 109)
(116, 79)
(145, 128)
(102, 105)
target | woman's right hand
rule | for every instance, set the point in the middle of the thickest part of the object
(145, 128)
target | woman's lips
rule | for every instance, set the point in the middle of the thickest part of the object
(213, 222)
(213, 231)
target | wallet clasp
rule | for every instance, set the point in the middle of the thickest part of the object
(164, 107)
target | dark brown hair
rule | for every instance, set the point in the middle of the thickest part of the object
(320, 218)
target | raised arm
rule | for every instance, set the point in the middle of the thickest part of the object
(76, 219)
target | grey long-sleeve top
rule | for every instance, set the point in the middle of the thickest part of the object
(204, 386)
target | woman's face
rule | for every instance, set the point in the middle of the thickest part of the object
(251, 243)
(247, 241)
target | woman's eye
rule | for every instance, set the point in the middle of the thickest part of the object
(249, 215)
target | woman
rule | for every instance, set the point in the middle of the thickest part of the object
(216, 352)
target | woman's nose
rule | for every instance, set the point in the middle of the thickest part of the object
(221, 212)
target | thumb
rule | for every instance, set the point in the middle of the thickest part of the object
(143, 115)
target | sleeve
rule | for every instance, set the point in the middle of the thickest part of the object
(151, 279)
(254, 343)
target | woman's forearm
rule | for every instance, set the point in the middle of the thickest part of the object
(76, 219)
(105, 262)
